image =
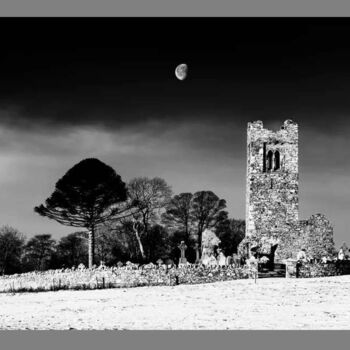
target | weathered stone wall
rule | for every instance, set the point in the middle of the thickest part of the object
(318, 270)
(272, 201)
(119, 277)
(315, 235)
(272, 196)
(308, 270)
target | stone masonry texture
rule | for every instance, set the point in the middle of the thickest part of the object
(272, 196)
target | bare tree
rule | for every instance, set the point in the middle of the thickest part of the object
(115, 240)
(149, 198)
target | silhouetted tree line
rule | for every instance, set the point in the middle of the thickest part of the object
(140, 221)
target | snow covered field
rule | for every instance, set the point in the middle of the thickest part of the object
(319, 303)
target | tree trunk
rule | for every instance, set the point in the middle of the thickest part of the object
(139, 240)
(91, 247)
(140, 245)
(199, 238)
(187, 231)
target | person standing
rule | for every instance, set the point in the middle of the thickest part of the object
(253, 266)
(301, 259)
(340, 264)
(302, 256)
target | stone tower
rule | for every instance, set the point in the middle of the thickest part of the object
(272, 202)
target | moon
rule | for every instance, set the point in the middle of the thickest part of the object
(181, 71)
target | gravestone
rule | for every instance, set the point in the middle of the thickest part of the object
(196, 247)
(291, 268)
(221, 258)
(182, 246)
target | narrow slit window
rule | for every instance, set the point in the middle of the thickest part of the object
(277, 160)
(264, 157)
(269, 160)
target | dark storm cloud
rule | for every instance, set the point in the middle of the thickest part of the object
(102, 74)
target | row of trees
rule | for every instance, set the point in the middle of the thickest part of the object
(42, 252)
(140, 220)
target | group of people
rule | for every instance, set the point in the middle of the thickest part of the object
(343, 254)
(210, 259)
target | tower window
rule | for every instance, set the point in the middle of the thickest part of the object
(269, 160)
(264, 157)
(277, 160)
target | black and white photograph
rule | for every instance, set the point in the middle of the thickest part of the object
(175, 173)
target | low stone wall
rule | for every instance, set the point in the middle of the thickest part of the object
(207, 275)
(318, 270)
(118, 277)
(329, 269)
(149, 275)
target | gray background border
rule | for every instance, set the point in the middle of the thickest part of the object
(165, 340)
(174, 340)
(174, 8)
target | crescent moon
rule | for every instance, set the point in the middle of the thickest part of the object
(181, 71)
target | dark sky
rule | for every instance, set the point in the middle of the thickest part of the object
(105, 88)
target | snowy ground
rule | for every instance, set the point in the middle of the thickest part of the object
(319, 303)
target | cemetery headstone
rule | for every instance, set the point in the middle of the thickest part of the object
(196, 247)
(182, 246)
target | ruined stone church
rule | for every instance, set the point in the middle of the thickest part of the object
(272, 197)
